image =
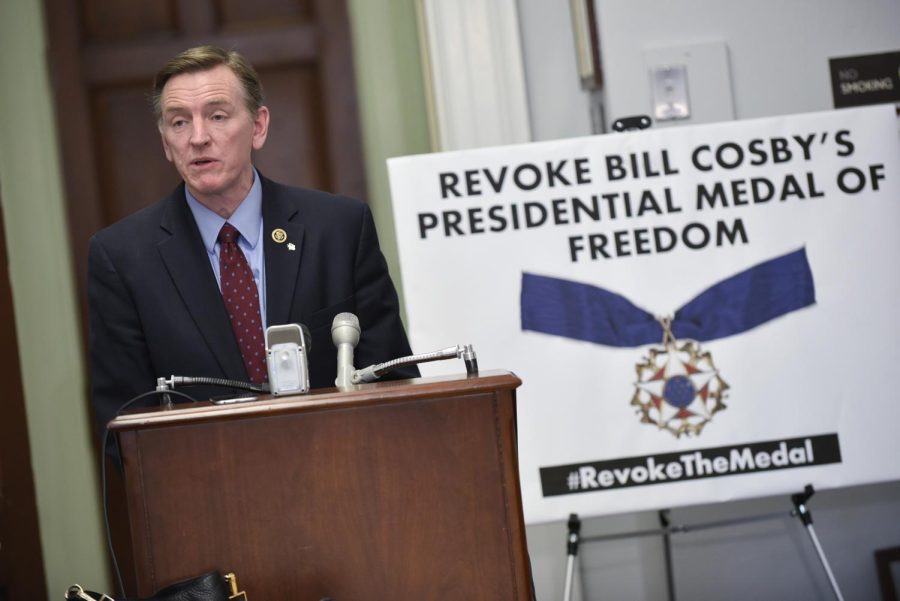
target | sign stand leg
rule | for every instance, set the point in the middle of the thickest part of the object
(667, 551)
(802, 512)
(572, 553)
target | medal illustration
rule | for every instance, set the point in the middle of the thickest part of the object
(679, 388)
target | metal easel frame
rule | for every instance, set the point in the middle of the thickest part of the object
(801, 511)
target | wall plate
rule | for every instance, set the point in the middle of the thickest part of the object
(670, 92)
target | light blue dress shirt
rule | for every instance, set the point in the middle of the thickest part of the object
(247, 219)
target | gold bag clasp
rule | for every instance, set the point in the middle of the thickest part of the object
(232, 582)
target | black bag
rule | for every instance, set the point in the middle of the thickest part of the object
(209, 587)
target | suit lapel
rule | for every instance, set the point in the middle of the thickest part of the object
(188, 264)
(282, 253)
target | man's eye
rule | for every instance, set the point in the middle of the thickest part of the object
(178, 123)
(218, 117)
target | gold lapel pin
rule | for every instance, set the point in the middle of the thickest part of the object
(279, 235)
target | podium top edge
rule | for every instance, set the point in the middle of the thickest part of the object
(323, 398)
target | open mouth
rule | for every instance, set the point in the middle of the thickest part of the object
(202, 162)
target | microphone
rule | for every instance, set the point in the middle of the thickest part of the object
(287, 352)
(345, 336)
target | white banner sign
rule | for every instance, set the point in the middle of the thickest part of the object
(698, 314)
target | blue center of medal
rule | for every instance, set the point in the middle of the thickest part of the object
(679, 391)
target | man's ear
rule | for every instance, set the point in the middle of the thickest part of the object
(260, 127)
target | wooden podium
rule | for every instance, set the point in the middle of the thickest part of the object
(401, 491)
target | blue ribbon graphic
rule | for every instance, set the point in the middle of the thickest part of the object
(734, 305)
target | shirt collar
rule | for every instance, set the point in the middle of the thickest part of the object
(247, 218)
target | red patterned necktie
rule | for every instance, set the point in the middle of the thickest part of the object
(242, 302)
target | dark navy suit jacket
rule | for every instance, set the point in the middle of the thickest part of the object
(156, 310)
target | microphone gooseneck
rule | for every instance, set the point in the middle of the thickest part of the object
(164, 384)
(373, 372)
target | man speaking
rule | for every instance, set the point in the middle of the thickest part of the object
(188, 285)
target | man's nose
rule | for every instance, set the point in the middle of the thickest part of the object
(199, 133)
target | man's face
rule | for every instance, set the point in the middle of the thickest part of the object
(208, 134)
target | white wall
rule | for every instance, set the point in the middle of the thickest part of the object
(778, 49)
(557, 105)
(777, 63)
